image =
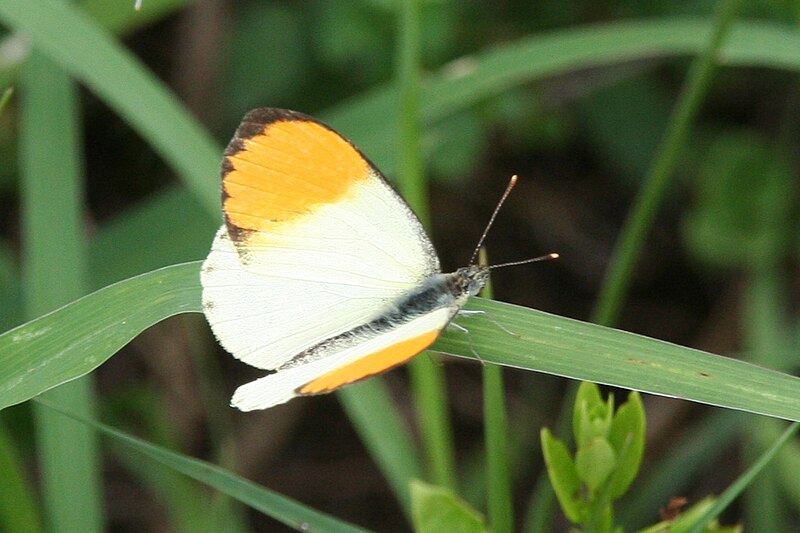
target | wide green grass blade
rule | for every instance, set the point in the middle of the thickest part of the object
(77, 338)
(74, 340)
(55, 272)
(580, 350)
(281, 508)
(91, 55)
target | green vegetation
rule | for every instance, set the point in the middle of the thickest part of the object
(109, 183)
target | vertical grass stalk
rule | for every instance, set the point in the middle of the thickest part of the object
(745, 480)
(55, 273)
(495, 427)
(428, 380)
(18, 510)
(640, 219)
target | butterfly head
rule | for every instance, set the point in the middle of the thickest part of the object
(469, 281)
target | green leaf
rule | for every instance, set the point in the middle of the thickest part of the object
(77, 338)
(591, 415)
(594, 462)
(627, 437)
(579, 350)
(435, 509)
(563, 477)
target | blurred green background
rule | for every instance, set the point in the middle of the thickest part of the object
(719, 271)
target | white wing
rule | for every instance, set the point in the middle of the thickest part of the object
(301, 282)
(360, 360)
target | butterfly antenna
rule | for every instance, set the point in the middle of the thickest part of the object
(511, 183)
(545, 257)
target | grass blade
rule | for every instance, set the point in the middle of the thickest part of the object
(738, 486)
(580, 350)
(427, 379)
(279, 507)
(498, 478)
(77, 338)
(640, 218)
(92, 55)
(495, 427)
(55, 272)
(381, 428)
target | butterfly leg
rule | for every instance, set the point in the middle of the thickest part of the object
(461, 328)
(470, 312)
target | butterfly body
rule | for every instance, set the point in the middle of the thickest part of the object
(321, 272)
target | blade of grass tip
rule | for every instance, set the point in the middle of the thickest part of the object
(281, 508)
(628, 249)
(730, 494)
(55, 272)
(498, 492)
(427, 379)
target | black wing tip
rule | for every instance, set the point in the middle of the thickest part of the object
(256, 120)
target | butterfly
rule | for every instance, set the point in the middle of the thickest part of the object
(321, 273)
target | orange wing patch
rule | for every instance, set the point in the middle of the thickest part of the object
(281, 165)
(372, 364)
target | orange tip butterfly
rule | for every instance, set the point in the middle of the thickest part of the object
(321, 272)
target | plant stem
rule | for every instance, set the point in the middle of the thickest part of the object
(628, 248)
(427, 379)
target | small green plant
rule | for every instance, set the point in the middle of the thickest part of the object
(609, 452)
